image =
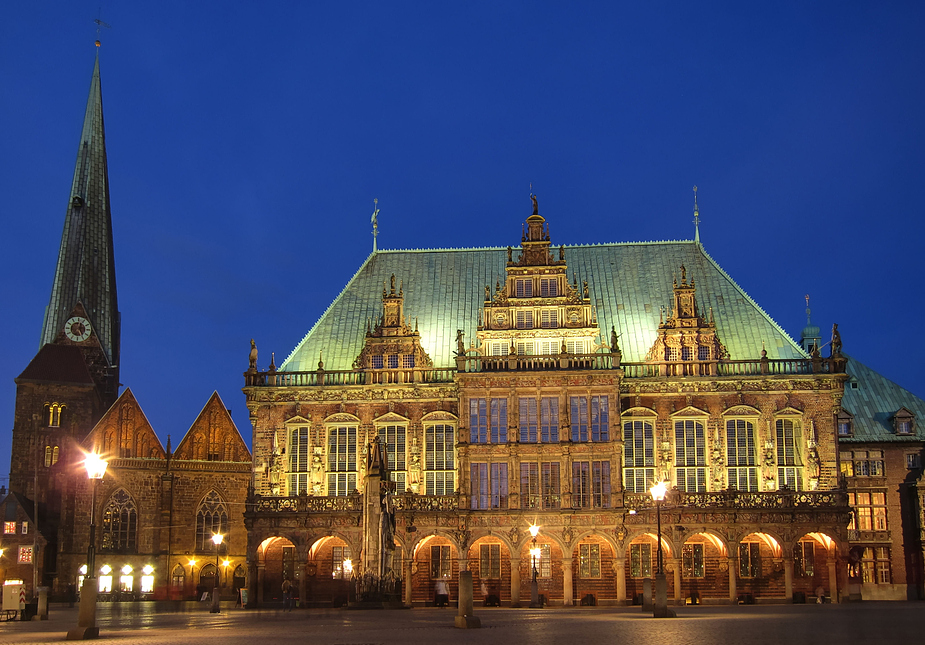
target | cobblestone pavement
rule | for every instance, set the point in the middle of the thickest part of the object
(146, 624)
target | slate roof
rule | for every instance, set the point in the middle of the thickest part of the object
(58, 364)
(629, 283)
(874, 402)
(85, 271)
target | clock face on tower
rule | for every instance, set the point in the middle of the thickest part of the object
(77, 329)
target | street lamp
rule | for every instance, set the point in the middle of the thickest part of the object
(348, 570)
(86, 617)
(217, 541)
(660, 606)
(534, 556)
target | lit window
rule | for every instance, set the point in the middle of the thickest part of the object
(126, 582)
(593, 417)
(487, 420)
(394, 438)
(576, 346)
(544, 566)
(147, 584)
(875, 565)
(25, 528)
(589, 560)
(590, 484)
(692, 560)
(339, 555)
(804, 559)
(862, 463)
(749, 560)
(741, 455)
(25, 555)
(789, 460)
(54, 414)
(638, 456)
(439, 459)
(298, 471)
(9, 527)
(641, 560)
(105, 584)
(690, 456)
(342, 460)
(211, 518)
(489, 485)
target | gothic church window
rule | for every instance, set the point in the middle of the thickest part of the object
(211, 518)
(638, 456)
(298, 461)
(741, 457)
(342, 460)
(120, 523)
(439, 459)
(789, 458)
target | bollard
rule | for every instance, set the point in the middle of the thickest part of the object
(647, 594)
(42, 609)
(465, 619)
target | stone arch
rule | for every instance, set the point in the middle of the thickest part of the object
(815, 558)
(434, 556)
(490, 560)
(590, 564)
(703, 562)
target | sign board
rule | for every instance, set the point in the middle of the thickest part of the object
(243, 593)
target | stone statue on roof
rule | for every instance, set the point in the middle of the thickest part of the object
(536, 208)
(253, 356)
(836, 341)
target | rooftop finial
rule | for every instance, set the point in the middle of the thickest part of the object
(375, 221)
(696, 218)
(808, 323)
(99, 24)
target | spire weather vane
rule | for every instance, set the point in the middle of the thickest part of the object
(375, 222)
(100, 24)
(696, 218)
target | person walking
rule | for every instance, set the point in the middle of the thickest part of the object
(287, 595)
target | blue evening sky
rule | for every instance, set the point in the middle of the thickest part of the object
(247, 141)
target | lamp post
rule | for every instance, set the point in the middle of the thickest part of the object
(348, 572)
(217, 541)
(660, 606)
(86, 617)
(534, 556)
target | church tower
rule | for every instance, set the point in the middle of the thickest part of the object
(74, 377)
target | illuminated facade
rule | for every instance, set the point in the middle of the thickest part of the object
(592, 372)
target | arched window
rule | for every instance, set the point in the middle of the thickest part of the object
(178, 577)
(212, 518)
(120, 523)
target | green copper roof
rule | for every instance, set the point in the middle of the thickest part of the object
(628, 283)
(873, 399)
(86, 271)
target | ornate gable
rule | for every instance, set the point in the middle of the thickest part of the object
(391, 344)
(687, 343)
(213, 436)
(125, 433)
(690, 411)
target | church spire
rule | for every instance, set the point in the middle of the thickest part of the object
(85, 271)
(696, 218)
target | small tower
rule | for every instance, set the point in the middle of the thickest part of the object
(811, 336)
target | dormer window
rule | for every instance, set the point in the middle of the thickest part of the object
(845, 424)
(549, 287)
(904, 422)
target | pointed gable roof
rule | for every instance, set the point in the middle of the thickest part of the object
(213, 436)
(58, 364)
(125, 432)
(86, 271)
(628, 283)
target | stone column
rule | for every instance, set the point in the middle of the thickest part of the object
(842, 579)
(788, 579)
(303, 584)
(260, 574)
(676, 565)
(567, 599)
(833, 576)
(732, 580)
(409, 581)
(620, 572)
(515, 582)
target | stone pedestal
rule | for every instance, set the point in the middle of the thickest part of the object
(465, 619)
(86, 615)
(660, 606)
(647, 594)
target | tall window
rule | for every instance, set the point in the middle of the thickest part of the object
(211, 518)
(692, 560)
(591, 484)
(340, 554)
(789, 461)
(528, 420)
(178, 577)
(440, 563)
(740, 455)
(804, 560)
(875, 565)
(120, 523)
(544, 566)
(638, 456)
(439, 460)
(487, 420)
(641, 560)
(523, 288)
(539, 485)
(342, 460)
(524, 320)
(394, 438)
(549, 287)
(690, 456)
(490, 561)
(590, 414)
(54, 414)
(549, 318)
(488, 485)
(749, 560)
(869, 511)
(589, 560)
(51, 456)
(298, 461)
(549, 419)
